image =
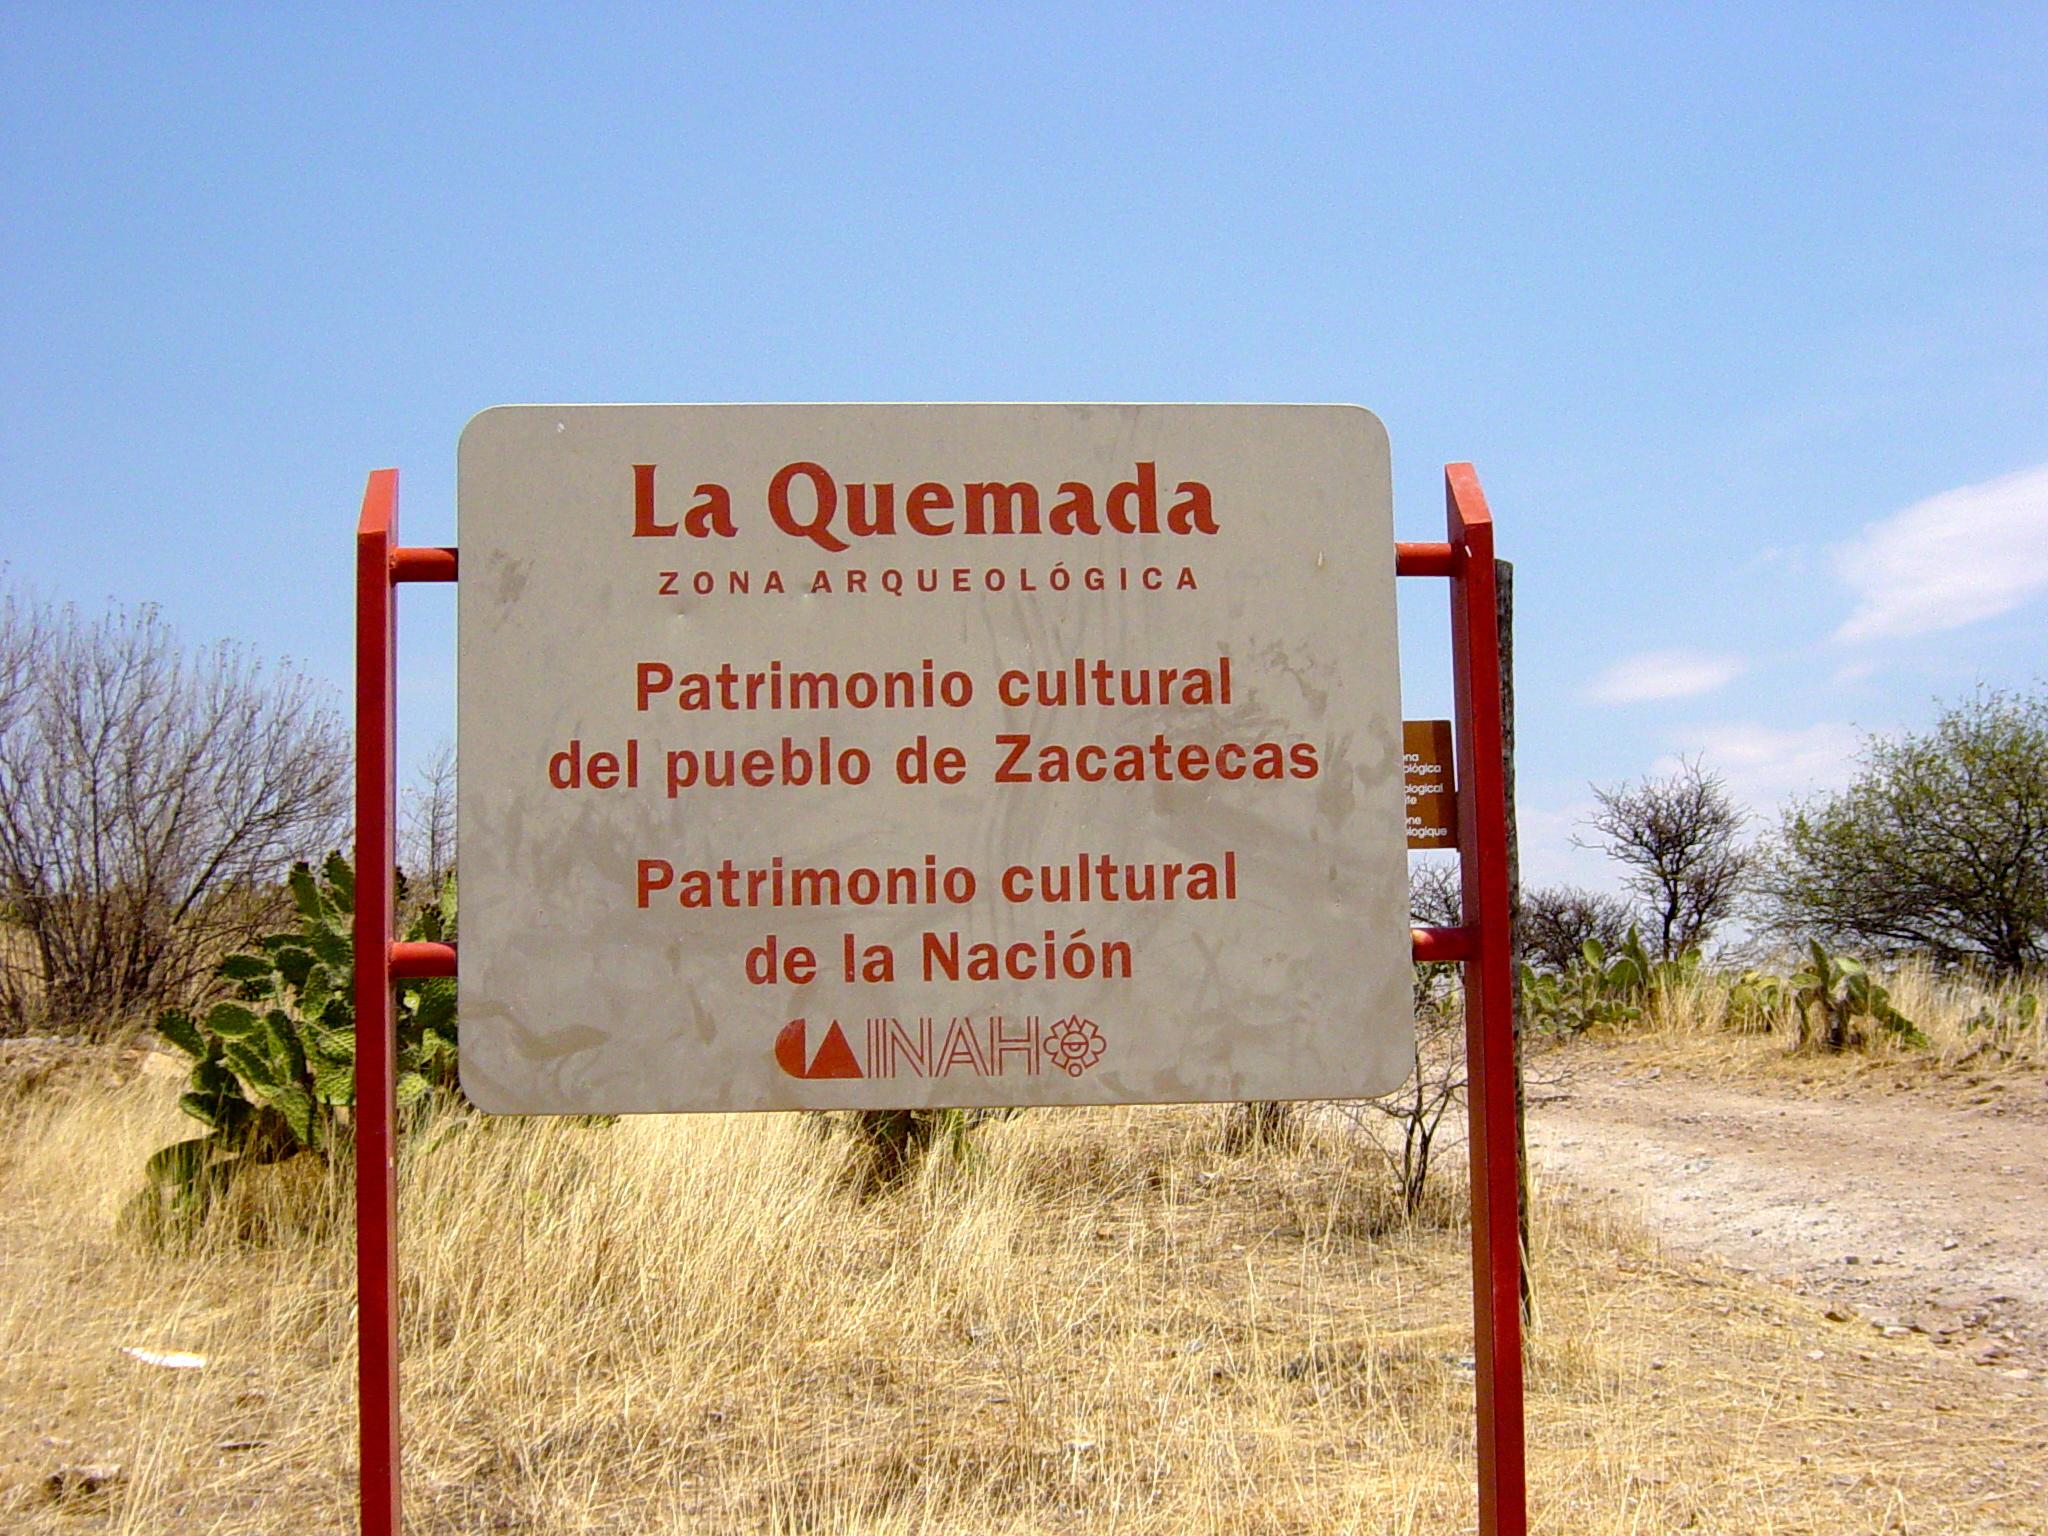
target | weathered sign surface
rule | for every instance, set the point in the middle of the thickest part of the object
(1430, 783)
(881, 756)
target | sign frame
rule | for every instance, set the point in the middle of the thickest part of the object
(1481, 946)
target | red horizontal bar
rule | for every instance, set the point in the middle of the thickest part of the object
(1444, 946)
(411, 962)
(423, 565)
(1425, 560)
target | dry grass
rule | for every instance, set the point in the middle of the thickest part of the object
(1110, 1324)
(1976, 1035)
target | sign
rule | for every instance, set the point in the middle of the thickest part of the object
(1431, 786)
(904, 756)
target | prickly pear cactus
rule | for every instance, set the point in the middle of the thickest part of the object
(273, 1063)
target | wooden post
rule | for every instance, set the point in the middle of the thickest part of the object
(1504, 590)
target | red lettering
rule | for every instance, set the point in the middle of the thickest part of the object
(644, 525)
(654, 875)
(655, 678)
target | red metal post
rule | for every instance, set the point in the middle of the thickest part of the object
(376, 1079)
(415, 961)
(423, 564)
(1425, 559)
(1443, 946)
(1489, 1023)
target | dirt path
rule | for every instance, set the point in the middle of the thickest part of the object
(1910, 1213)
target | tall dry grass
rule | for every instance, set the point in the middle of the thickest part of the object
(1972, 1023)
(1106, 1322)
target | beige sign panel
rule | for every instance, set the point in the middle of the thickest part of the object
(1431, 786)
(905, 755)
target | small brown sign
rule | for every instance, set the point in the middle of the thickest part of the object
(1432, 796)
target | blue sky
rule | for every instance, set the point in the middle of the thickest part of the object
(1742, 312)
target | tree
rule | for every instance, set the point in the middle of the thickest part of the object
(1939, 845)
(1680, 839)
(1435, 899)
(151, 801)
(1557, 920)
(427, 851)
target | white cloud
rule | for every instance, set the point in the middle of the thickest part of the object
(1662, 675)
(1950, 560)
(1764, 765)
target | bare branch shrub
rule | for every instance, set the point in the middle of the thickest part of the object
(1680, 840)
(151, 801)
(1415, 1111)
(427, 849)
(1555, 921)
(1435, 899)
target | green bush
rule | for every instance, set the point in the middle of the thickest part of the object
(2007, 1015)
(1841, 991)
(273, 1062)
(1757, 1000)
(1934, 848)
(1595, 990)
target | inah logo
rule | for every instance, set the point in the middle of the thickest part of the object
(966, 1045)
(1076, 1045)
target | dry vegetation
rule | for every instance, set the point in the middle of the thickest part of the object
(1979, 1035)
(1109, 1323)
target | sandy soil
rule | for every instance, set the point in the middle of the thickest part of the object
(1912, 1213)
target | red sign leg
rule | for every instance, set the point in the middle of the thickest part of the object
(376, 1081)
(1489, 1023)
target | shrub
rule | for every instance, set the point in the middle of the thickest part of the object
(1417, 1109)
(1555, 921)
(152, 797)
(1757, 1000)
(1680, 839)
(2014, 1014)
(1595, 990)
(2003, 1026)
(1939, 846)
(1841, 990)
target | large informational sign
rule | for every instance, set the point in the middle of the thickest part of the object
(876, 756)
